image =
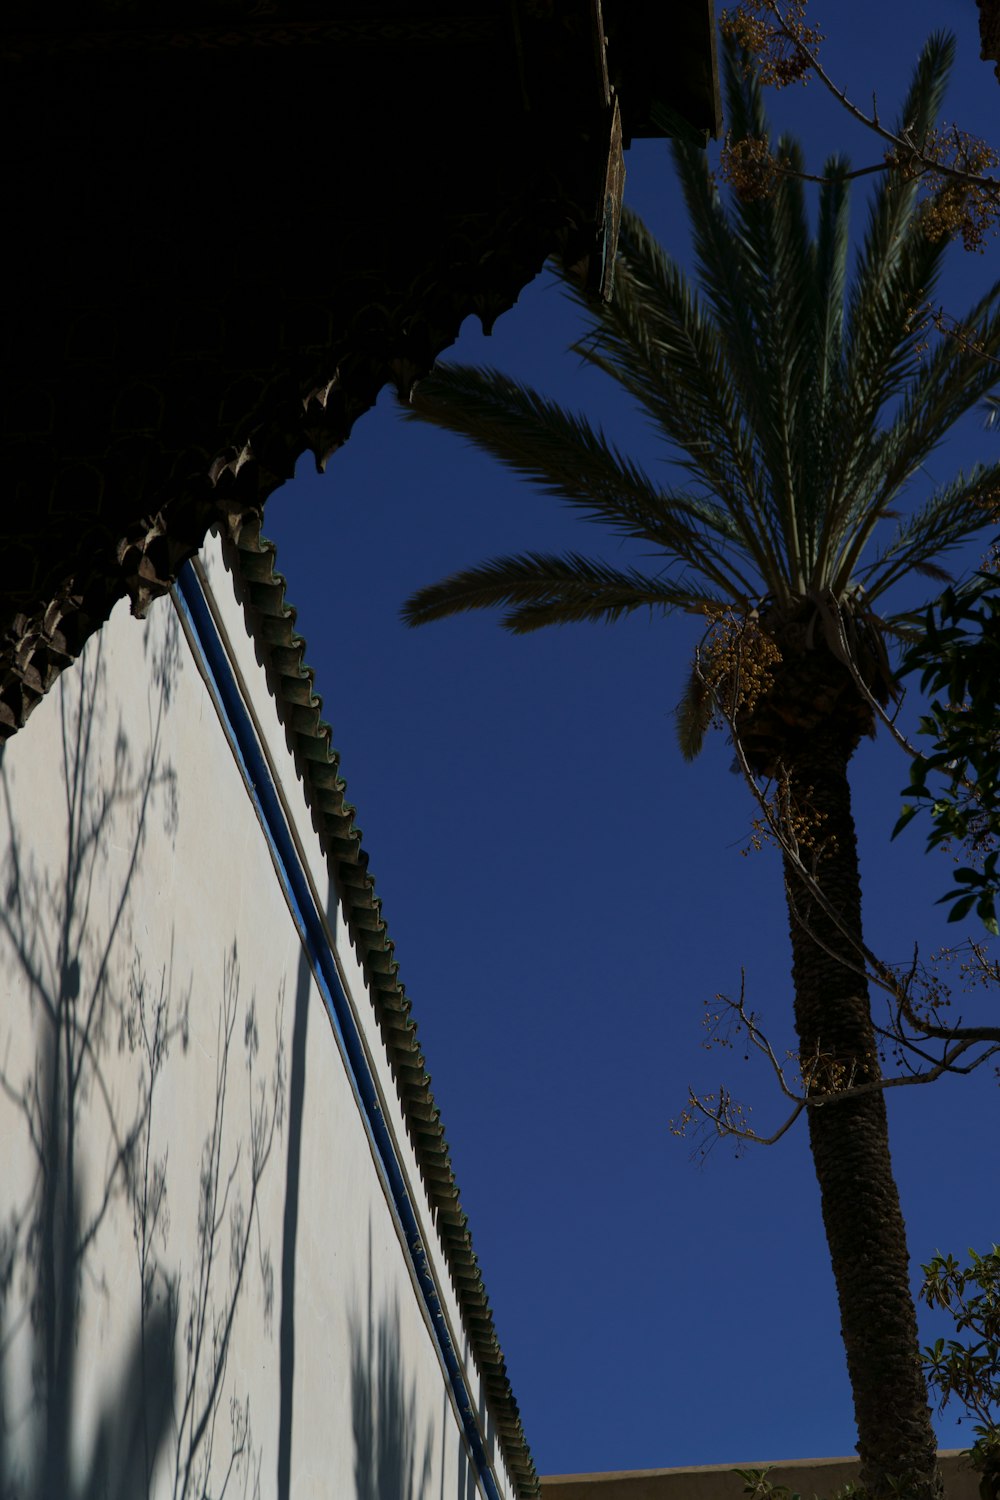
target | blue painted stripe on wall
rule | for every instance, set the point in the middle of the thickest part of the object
(256, 774)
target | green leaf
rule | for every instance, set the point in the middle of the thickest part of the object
(986, 912)
(909, 812)
(961, 908)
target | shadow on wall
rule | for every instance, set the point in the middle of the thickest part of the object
(390, 1462)
(133, 1426)
(91, 1023)
(290, 1228)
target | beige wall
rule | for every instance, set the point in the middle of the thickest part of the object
(822, 1477)
(155, 997)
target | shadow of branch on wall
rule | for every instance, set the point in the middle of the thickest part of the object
(222, 1208)
(63, 924)
(93, 1020)
(290, 1226)
(390, 1462)
(133, 1425)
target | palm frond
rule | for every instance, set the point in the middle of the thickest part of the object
(830, 269)
(953, 380)
(905, 627)
(655, 342)
(756, 265)
(798, 399)
(958, 373)
(789, 356)
(693, 714)
(895, 274)
(897, 266)
(557, 451)
(729, 265)
(538, 589)
(564, 456)
(932, 570)
(953, 514)
(818, 434)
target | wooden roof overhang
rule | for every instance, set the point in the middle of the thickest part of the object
(989, 32)
(231, 223)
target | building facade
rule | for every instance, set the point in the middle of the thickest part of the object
(233, 1256)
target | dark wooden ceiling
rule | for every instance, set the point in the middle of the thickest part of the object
(230, 223)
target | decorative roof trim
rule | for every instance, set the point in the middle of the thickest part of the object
(20, 45)
(271, 620)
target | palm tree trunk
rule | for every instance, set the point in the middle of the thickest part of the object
(864, 1224)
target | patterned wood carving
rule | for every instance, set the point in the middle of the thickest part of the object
(233, 234)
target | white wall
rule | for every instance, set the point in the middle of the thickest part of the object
(150, 1188)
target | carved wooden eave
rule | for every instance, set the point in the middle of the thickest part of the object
(989, 32)
(235, 223)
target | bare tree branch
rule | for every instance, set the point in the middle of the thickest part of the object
(914, 1020)
(955, 166)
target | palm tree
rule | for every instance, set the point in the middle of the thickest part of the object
(799, 402)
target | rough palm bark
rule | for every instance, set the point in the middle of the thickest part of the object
(801, 734)
(865, 1231)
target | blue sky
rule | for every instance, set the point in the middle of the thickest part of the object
(565, 893)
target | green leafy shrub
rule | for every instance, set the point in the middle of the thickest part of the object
(969, 1370)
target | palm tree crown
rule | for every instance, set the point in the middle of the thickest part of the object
(800, 404)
